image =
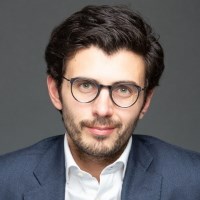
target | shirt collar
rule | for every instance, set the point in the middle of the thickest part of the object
(69, 160)
(120, 162)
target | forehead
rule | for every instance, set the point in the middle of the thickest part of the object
(94, 63)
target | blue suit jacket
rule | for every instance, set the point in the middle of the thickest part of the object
(155, 171)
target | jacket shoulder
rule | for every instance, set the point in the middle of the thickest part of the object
(16, 168)
(165, 150)
(179, 168)
(23, 161)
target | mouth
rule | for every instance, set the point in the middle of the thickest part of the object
(101, 130)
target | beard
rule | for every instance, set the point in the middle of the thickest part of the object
(98, 148)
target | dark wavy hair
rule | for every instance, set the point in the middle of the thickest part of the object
(110, 28)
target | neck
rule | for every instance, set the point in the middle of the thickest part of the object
(92, 165)
(89, 163)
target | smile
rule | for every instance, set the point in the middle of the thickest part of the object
(101, 131)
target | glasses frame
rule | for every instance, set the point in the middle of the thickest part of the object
(99, 87)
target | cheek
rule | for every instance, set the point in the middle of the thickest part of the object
(131, 115)
(74, 109)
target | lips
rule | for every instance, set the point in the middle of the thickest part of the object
(101, 131)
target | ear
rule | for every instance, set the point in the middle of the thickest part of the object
(53, 92)
(146, 104)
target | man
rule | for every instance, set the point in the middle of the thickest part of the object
(103, 66)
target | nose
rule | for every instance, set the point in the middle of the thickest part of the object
(103, 105)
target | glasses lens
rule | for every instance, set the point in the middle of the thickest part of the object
(125, 94)
(84, 90)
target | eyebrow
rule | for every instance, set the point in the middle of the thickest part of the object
(125, 81)
(117, 82)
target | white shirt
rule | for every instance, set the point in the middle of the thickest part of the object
(80, 185)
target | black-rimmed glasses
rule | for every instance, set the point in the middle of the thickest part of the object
(123, 94)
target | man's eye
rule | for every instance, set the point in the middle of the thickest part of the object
(85, 86)
(124, 90)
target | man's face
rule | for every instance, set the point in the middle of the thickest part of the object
(100, 128)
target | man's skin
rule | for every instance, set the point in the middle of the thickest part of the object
(94, 147)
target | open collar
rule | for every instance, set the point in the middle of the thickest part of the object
(139, 182)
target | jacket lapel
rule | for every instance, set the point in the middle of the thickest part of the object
(50, 174)
(139, 182)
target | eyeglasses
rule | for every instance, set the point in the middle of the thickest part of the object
(123, 94)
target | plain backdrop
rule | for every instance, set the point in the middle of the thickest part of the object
(26, 113)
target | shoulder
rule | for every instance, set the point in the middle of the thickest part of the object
(26, 159)
(161, 149)
(177, 168)
(17, 168)
(175, 164)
